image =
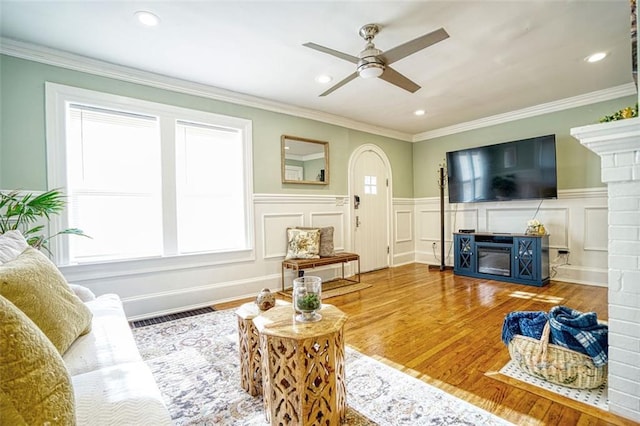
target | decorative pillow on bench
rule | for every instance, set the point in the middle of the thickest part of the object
(303, 243)
(326, 240)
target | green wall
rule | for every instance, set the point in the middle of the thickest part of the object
(578, 167)
(414, 166)
(22, 131)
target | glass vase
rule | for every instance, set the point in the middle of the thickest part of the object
(307, 298)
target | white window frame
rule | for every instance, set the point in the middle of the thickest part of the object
(57, 98)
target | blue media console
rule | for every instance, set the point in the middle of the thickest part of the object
(516, 258)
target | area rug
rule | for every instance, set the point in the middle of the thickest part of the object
(596, 397)
(334, 288)
(196, 366)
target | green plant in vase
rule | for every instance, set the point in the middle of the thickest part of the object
(308, 302)
(307, 298)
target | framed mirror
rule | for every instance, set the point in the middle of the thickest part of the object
(304, 160)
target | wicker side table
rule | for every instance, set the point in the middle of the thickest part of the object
(249, 347)
(303, 367)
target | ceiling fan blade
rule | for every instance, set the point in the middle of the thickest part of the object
(340, 84)
(394, 77)
(345, 56)
(410, 47)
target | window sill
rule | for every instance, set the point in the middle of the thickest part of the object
(130, 267)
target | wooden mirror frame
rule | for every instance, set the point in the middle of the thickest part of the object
(305, 150)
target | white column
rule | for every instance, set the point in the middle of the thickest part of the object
(618, 144)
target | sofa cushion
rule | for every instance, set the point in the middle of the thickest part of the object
(82, 292)
(303, 243)
(12, 243)
(34, 284)
(35, 387)
(110, 341)
(124, 394)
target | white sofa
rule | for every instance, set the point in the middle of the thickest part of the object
(111, 383)
(107, 379)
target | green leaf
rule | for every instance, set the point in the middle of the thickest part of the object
(21, 211)
(33, 230)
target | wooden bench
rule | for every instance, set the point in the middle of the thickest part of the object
(302, 264)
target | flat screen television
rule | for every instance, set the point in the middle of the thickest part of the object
(518, 170)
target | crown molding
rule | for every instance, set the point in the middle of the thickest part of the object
(88, 65)
(559, 105)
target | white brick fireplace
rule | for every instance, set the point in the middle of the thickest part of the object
(618, 144)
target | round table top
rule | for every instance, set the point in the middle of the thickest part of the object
(250, 310)
(280, 322)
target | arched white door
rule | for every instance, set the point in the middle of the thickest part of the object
(370, 201)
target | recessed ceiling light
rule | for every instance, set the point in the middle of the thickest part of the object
(419, 112)
(324, 78)
(596, 57)
(147, 18)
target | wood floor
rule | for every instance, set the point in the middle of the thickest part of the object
(445, 330)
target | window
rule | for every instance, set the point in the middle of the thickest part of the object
(370, 185)
(113, 183)
(206, 154)
(147, 180)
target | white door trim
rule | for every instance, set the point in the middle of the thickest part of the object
(387, 164)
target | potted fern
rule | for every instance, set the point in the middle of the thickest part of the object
(22, 212)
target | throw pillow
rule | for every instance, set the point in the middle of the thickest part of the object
(35, 387)
(12, 243)
(82, 292)
(303, 243)
(326, 241)
(34, 284)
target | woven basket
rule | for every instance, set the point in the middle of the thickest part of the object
(554, 363)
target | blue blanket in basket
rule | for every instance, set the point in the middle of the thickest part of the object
(571, 329)
(580, 332)
(524, 323)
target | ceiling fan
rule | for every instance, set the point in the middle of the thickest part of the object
(373, 62)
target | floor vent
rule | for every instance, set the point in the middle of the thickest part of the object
(170, 317)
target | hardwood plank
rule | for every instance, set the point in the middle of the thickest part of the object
(445, 330)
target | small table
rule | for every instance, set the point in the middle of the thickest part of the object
(249, 347)
(303, 367)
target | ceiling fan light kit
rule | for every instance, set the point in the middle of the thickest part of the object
(371, 70)
(372, 62)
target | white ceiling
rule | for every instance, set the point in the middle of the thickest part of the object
(501, 56)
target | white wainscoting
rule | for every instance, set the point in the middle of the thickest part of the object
(187, 283)
(404, 232)
(576, 221)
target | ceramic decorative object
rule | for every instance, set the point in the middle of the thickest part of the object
(534, 227)
(265, 300)
(307, 298)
